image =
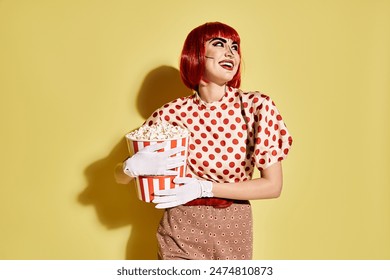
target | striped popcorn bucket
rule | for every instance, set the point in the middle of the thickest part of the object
(146, 185)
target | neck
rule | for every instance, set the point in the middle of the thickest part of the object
(210, 92)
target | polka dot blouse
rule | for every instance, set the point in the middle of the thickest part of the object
(229, 137)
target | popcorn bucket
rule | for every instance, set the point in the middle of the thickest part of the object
(146, 185)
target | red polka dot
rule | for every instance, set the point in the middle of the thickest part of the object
(193, 161)
(235, 141)
(203, 135)
(219, 114)
(207, 114)
(223, 106)
(208, 128)
(237, 105)
(221, 129)
(224, 157)
(183, 114)
(213, 171)
(189, 108)
(237, 156)
(205, 149)
(233, 126)
(274, 153)
(206, 163)
(228, 135)
(225, 172)
(266, 142)
(270, 123)
(223, 143)
(189, 121)
(198, 155)
(192, 147)
(279, 117)
(231, 164)
(211, 156)
(215, 135)
(197, 141)
(218, 164)
(218, 150)
(196, 128)
(210, 142)
(231, 112)
(225, 121)
(214, 122)
(195, 114)
(166, 118)
(230, 149)
(283, 132)
(238, 120)
(262, 161)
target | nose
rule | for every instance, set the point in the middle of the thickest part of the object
(229, 51)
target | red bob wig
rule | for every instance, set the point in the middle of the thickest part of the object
(192, 62)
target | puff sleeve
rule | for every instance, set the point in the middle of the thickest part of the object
(272, 139)
(154, 118)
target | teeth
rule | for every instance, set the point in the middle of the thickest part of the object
(228, 64)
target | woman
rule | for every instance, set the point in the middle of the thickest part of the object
(209, 216)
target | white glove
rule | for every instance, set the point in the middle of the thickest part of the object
(191, 189)
(148, 161)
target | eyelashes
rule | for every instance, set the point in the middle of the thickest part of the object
(218, 43)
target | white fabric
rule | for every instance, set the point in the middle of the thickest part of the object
(190, 189)
(148, 161)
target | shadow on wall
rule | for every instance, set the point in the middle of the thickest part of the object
(117, 205)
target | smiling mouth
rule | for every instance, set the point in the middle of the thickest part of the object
(227, 64)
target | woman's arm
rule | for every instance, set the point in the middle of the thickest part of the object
(268, 186)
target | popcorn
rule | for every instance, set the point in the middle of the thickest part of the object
(160, 131)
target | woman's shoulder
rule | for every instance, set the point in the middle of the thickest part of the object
(254, 97)
(181, 101)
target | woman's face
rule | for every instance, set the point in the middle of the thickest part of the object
(221, 60)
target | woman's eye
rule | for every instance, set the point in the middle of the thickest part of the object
(235, 47)
(218, 44)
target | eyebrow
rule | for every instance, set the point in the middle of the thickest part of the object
(223, 40)
(218, 38)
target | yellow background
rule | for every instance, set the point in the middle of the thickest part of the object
(76, 76)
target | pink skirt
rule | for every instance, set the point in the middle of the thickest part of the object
(206, 233)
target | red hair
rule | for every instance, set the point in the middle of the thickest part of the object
(192, 62)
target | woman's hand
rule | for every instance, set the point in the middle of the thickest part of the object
(148, 161)
(190, 189)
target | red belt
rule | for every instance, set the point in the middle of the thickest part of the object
(215, 202)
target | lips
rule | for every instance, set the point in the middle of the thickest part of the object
(227, 64)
